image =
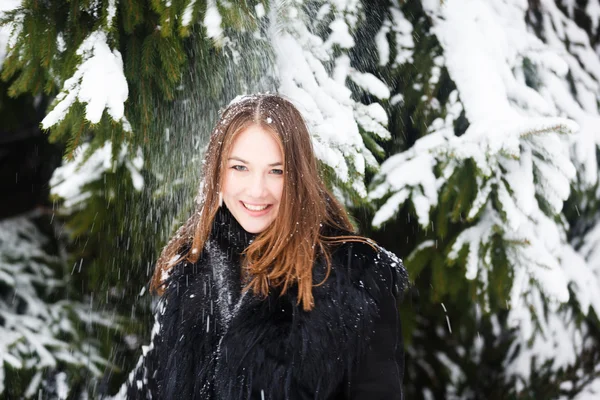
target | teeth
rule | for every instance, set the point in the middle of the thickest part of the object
(254, 208)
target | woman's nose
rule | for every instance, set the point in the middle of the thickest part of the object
(257, 187)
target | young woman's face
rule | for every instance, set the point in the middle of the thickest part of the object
(253, 181)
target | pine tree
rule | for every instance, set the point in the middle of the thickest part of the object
(478, 194)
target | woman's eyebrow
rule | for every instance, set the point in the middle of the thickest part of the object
(275, 164)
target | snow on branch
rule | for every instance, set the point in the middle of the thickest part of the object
(590, 248)
(31, 326)
(8, 32)
(401, 30)
(567, 50)
(334, 117)
(68, 181)
(99, 82)
(212, 20)
(514, 90)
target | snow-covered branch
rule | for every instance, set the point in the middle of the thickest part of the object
(314, 75)
(36, 334)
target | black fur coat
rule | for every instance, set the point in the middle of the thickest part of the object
(212, 342)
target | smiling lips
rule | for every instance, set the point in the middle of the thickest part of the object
(256, 209)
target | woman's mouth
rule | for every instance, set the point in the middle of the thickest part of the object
(256, 209)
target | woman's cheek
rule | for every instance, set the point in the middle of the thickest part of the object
(236, 181)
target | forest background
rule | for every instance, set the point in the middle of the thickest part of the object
(462, 135)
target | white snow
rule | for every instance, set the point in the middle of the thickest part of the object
(186, 18)
(98, 81)
(112, 11)
(212, 21)
(390, 207)
(323, 98)
(6, 30)
(60, 43)
(383, 46)
(593, 10)
(370, 83)
(415, 174)
(69, 179)
(403, 30)
(29, 334)
(340, 35)
(259, 9)
(590, 392)
(590, 249)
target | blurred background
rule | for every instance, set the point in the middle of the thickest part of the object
(462, 135)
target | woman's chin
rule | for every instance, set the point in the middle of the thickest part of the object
(254, 226)
(253, 223)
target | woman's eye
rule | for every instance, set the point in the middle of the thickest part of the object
(277, 171)
(239, 167)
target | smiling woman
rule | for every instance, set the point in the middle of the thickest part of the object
(253, 183)
(267, 291)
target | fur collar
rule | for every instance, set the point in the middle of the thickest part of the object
(228, 233)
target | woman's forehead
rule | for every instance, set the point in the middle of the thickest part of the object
(256, 144)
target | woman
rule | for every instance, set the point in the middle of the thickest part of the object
(266, 291)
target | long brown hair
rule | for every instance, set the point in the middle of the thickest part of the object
(285, 252)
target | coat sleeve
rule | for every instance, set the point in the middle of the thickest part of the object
(380, 371)
(141, 383)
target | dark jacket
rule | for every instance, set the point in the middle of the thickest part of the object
(212, 342)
